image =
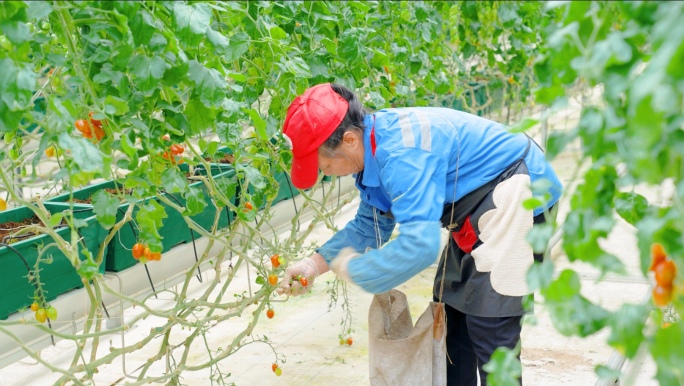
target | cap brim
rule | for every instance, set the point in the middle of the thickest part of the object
(305, 171)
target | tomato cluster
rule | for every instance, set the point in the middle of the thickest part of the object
(175, 152)
(276, 369)
(90, 127)
(349, 341)
(43, 313)
(665, 273)
(143, 253)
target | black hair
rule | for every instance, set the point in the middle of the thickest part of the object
(353, 120)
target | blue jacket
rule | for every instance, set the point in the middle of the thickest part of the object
(410, 169)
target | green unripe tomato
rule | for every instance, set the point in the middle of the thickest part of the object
(14, 154)
(45, 26)
(5, 43)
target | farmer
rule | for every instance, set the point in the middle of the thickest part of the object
(426, 168)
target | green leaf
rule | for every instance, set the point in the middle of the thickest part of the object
(278, 33)
(627, 326)
(149, 219)
(16, 31)
(209, 84)
(17, 84)
(190, 22)
(88, 268)
(540, 275)
(85, 154)
(668, 353)
(174, 181)
(253, 176)
(605, 372)
(239, 44)
(105, 207)
(539, 237)
(631, 206)
(194, 201)
(523, 125)
(504, 368)
(55, 219)
(218, 40)
(259, 123)
(148, 71)
(37, 9)
(116, 106)
(199, 116)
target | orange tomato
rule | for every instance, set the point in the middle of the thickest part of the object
(662, 295)
(34, 307)
(270, 313)
(83, 126)
(665, 273)
(50, 151)
(657, 256)
(3, 204)
(177, 149)
(138, 250)
(272, 279)
(275, 262)
(93, 121)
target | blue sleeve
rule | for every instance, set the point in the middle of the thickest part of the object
(415, 180)
(359, 233)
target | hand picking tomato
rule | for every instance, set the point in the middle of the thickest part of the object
(304, 281)
(275, 262)
(41, 315)
(657, 256)
(270, 313)
(665, 273)
(272, 279)
(138, 250)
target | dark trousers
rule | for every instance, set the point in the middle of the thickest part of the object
(470, 342)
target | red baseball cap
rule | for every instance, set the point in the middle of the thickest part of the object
(311, 118)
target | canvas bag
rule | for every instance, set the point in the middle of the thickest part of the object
(401, 353)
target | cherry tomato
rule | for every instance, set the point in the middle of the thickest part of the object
(83, 126)
(41, 315)
(177, 149)
(657, 256)
(3, 204)
(52, 313)
(665, 273)
(274, 367)
(50, 151)
(166, 137)
(662, 295)
(342, 342)
(147, 253)
(270, 314)
(350, 341)
(93, 121)
(304, 282)
(34, 307)
(272, 279)
(155, 256)
(248, 206)
(99, 133)
(278, 371)
(275, 261)
(138, 250)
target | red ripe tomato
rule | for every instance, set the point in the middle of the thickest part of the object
(138, 250)
(275, 262)
(41, 315)
(662, 295)
(177, 149)
(350, 341)
(272, 279)
(83, 126)
(93, 121)
(303, 281)
(665, 273)
(274, 367)
(657, 256)
(270, 313)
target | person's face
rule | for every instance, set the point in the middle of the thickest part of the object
(347, 158)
